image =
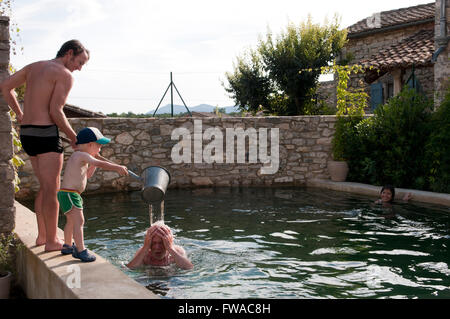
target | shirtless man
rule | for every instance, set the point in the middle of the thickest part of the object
(47, 86)
(79, 167)
(159, 249)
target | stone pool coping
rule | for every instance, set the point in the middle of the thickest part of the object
(45, 275)
(370, 190)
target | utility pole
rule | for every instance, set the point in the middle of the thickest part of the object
(171, 86)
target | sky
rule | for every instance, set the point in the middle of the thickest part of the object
(135, 44)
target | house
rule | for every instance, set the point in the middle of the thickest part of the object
(72, 111)
(398, 48)
(75, 111)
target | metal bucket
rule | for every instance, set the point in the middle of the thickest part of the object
(155, 179)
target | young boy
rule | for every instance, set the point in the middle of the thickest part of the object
(81, 166)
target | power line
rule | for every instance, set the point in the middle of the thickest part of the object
(159, 73)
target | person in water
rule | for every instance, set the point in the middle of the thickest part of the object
(387, 195)
(159, 249)
(80, 166)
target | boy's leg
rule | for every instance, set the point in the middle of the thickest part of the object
(68, 229)
(76, 214)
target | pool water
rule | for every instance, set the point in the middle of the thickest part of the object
(280, 243)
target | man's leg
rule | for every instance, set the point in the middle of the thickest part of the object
(50, 165)
(40, 240)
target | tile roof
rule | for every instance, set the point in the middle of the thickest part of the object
(398, 17)
(416, 49)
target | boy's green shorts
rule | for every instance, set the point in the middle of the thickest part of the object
(68, 199)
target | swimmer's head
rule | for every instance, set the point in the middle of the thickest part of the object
(157, 248)
(387, 193)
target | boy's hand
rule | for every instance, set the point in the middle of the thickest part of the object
(122, 170)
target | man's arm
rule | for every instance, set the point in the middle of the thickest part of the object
(180, 257)
(138, 259)
(7, 88)
(62, 88)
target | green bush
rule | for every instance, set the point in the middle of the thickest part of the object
(389, 147)
(438, 149)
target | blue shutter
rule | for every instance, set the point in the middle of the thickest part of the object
(376, 95)
(414, 83)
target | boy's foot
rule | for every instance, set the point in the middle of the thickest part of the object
(83, 255)
(66, 250)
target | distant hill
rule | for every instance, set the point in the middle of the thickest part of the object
(198, 108)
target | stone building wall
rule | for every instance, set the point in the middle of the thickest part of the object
(7, 210)
(442, 65)
(304, 149)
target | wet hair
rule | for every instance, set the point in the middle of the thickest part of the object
(73, 45)
(391, 188)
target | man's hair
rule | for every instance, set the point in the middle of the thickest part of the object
(73, 45)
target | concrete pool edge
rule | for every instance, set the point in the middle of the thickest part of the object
(48, 275)
(370, 190)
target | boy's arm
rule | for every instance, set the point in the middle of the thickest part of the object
(7, 88)
(122, 170)
(91, 171)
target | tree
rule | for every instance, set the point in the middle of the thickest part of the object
(249, 85)
(269, 76)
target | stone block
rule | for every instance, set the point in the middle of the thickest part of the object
(7, 219)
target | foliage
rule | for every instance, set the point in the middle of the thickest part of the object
(16, 161)
(269, 76)
(249, 85)
(438, 150)
(6, 257)
(14, 30)
(350, 110)
(388, 148)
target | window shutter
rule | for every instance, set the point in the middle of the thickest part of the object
(376, 95)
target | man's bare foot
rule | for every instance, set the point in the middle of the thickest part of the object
(40, 241)
(54, 246)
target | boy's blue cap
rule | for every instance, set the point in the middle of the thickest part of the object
(91, 134)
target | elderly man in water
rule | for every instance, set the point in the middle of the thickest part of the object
(159, 249)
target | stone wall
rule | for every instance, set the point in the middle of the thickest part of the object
(7, 210)
(442, 65)
(304, 149)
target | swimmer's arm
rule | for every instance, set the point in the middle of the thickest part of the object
(138, 259)
(7, 88)
(180, 257)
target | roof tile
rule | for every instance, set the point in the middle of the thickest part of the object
(394, 17)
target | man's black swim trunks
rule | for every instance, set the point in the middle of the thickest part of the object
(39, 139)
